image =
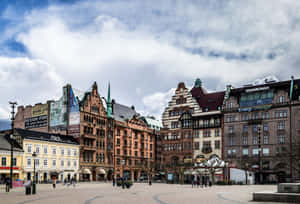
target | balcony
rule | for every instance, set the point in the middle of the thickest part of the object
(214, 125)
(88, 148)
(90, 136)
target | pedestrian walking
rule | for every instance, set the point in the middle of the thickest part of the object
(198, 181)
(54, 183)
(7, 185)
(205, 181)
(150, 182)
(123, 183)
(202, 181)
(194, 181)
(74, 182)
(114, 181)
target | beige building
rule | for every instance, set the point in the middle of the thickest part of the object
(57, 155)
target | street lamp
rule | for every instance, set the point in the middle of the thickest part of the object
(13, 104)
(11, 160)
(34, 176)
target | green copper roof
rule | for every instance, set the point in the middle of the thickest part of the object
(198, 83)
(108, 102)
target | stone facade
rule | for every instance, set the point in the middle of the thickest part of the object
(261, 124)
(95, 162)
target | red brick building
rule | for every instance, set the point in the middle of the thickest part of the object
(134, 144)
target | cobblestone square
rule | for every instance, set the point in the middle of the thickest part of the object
(91, 193)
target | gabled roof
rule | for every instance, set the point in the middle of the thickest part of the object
(210, 101)
(122, 112)
(44, 136)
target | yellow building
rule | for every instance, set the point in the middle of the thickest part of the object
(5, 158)
(57, 156)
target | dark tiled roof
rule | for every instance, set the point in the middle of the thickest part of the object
(280, 85)
(5, 143)
(122, 112)
(211, 101)
(50, 137)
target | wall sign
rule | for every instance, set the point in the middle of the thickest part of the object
(36, 122)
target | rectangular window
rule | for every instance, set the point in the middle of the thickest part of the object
(217, 132)
(75, 163)
(266, 139)
(217, 144)
(266, 151)
(45, 162)
(3, 161)
(37, 163)
(118, 151)
(14, 161)
(196, 145)
(245, 152)
(37, 149)
(28, 162)
(75, 152)
(245, 140)
(266, 127)
(231, 129)
(255, 139)
(54, 150)
(280, 125)
(62, 163)
(231, 140)
(118, 161)
(69, 152)
(54, 163)
(62, 151)
(135, 153)
(254, 151)
(69, 163)
(281, 139)
(45, 149)
(245, 128)
(29, 148)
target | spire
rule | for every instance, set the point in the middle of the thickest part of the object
(292, 87)
(108, 102)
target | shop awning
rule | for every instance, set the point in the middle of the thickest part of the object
(101, 171)
(85, 171)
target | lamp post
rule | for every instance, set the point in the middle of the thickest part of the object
(34, 176)
(13, 104)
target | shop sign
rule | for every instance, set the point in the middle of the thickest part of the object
(36, 122)
(170, 177)
(40, 109)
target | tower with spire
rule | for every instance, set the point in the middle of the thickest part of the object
(108, 103)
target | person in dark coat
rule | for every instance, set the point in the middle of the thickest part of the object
(123, 182)
(7, 184)
(202, 181)
(114, 181)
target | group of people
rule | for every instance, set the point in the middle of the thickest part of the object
(201, 181)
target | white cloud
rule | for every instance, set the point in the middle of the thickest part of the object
(26, 81)
(141, 46)
(156, 102)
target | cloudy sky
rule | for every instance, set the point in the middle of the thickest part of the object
(144, 48)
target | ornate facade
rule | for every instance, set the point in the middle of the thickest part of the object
(261, 129)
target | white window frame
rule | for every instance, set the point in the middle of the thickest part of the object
(27, 146)
(45, 148)
(245, 152)
(54, 150)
